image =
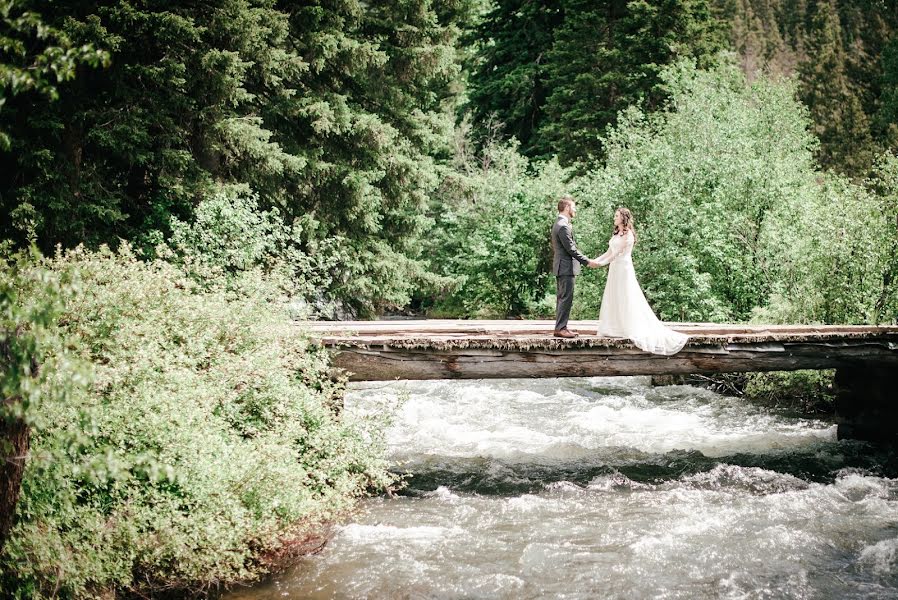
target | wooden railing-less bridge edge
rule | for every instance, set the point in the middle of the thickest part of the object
(865, 357)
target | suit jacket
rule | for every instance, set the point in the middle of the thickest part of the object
(566, 258)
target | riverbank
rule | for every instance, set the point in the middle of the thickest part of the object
(188, 437)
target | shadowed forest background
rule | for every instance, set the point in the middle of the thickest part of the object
(176, 181)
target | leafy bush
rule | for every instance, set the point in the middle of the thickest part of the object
(884, 184)
(231, 237)
(209, 436)
(329, 277)
(30, 302)
(828, 257)
(492, 235)
(701, 178)
(803, 391)
(30, 353)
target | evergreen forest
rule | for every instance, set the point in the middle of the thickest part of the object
(182, 181)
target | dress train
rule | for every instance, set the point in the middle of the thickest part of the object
(625, 312)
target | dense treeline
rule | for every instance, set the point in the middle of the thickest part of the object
(333, 113)
(554, 75)
(209, 170)
(843, 53)
(736, 220)
(348, 124)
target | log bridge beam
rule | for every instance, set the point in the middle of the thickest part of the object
(865, 358)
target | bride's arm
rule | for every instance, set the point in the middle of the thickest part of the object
(612, 253)
(609, 255)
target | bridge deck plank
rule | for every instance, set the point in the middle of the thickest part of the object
(437, 349)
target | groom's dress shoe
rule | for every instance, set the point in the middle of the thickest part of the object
(564, 333)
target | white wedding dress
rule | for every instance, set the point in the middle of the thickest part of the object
(625, 312)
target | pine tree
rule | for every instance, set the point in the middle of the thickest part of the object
(757, 36)
(607, 56)
(841, 40)
(333, 111)
(887, 114)
(591, 76)
(507, 82)
(128, 146)
(869, 31)
(839, 119)
(35, 57)
(370, 119)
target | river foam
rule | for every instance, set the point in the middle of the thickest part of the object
(609, 488)
(573, 418)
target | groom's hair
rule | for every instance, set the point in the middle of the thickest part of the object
(564, 202)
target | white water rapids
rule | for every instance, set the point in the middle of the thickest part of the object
(608, 488)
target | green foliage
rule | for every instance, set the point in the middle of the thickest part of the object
(701, 179)
(802, 391)
(232, 242)
(829, 256)
(735, 221)
(231, 235)
(334, 114)
(334, 121)
(29, 305)
(368, 121)
(493, 232)
(840, 122)
(884, 184)
(208, 436)
(840, 49)
(887, 116)
(555, 75)
(35, 56)
(607, 56)
(507, 81)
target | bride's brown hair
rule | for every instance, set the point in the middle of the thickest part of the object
(626, 222)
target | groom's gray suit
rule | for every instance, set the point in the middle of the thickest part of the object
(566, 263)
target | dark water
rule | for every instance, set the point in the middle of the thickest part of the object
(609, 488)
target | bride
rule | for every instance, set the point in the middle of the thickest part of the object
(625, 311)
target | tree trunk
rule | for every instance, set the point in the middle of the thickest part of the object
(15, 437)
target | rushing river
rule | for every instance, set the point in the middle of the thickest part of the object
(609, 488)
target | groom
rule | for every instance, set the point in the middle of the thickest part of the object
(566, 264)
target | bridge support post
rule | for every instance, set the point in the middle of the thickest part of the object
(867, 403)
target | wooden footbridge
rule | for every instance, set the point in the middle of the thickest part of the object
(865, 358)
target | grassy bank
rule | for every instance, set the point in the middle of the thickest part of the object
(197, 439)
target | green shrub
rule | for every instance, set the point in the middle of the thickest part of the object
(831, 257)
(803, 391)
(701, 178)
(209, 434)
(492, 235)
(230, 237)
(333, 277)
(30, 302)
(883, 184)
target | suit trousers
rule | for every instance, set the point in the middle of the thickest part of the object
(564, 299)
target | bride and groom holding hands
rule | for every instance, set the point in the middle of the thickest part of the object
(625, 313)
